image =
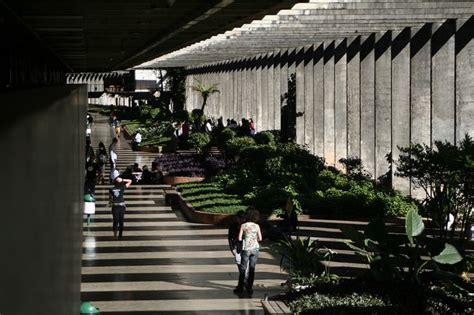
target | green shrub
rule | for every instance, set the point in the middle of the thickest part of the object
(265, 137)
(341, 194)
(225, 136)
(354, 303)
(235, 146)
(232, 209)
(199, 141)
(266, 198)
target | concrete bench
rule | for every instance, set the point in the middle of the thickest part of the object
(276, 307)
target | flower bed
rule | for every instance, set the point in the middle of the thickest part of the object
(189, 165)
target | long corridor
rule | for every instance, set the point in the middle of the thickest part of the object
(163, 264)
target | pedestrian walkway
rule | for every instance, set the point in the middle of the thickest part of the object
(163, 264)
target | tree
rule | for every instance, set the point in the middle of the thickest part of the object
(206, 91)
(446, 174)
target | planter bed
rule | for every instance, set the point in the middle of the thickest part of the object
(173, 180)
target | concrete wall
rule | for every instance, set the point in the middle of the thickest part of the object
(42, 141)
(364, 96)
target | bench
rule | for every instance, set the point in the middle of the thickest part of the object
(276, 307)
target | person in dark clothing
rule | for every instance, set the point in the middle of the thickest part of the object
(233, 237)
(90, 154)
(146, 176)
(117, 202)
(102, 158)
(91, 176)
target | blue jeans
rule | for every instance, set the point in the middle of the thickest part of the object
(248, 260)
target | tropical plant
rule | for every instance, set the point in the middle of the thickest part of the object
(301, 257)
(445, 172)
(206, 91)
(391, 257)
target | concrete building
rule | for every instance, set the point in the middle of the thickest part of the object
(370, 76)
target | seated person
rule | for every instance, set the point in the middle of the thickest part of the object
(146, 176)
(136, 141)
(128, 174)
(136, 168)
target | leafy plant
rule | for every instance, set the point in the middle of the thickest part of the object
(388, 255)
(301, 257)
(224, 137)
(199, 141)
(235, 146)
(353, 303)
(354, 168)
(265, 137)
(445, 172)
(205, 90)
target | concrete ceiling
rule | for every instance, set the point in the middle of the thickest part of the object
(104, 35)
(316, 21)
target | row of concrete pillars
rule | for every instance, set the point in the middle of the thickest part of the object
(356, 97)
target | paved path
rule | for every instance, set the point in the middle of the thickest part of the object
(163, 264)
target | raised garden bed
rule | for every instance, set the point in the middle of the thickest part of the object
(173, 180)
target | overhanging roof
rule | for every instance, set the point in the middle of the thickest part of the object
(104, 35)
(313, 22)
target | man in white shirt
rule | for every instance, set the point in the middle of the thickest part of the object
(136, 141)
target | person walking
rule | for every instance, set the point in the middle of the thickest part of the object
(250, 234)
(233, 237)
(101, 160)
(117, 202)
(113, 154)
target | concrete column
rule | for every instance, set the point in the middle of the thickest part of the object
(329, 128)
(300, 95)
(239, 91)
(353, 98)
(383, 102)
(234, 93)
(420, 84)
(41, 237)
(400, 102)
(283, 79)
(318, 99)
(226, 94)
(271, 93)
(248, 92)
(265, 101)
(188, 91)
(258, 85)
(340, 99)
(308, 98)
(464, 79)
(252, 91)
(277, 91)
(443, 82)
(367, 103)
(291, 61)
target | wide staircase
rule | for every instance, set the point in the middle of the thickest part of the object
(163, 264)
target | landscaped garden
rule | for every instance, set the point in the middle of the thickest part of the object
(424, 270)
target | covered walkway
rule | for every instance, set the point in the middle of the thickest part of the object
(163, 264)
